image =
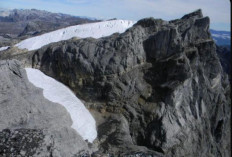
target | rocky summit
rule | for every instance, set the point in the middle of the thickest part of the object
(158, 89)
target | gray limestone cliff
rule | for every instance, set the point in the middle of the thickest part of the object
(156, 90)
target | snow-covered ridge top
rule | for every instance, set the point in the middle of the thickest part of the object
(95, 30)
(83, 122)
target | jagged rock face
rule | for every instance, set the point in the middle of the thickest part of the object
(158, 87)
(159, 76)
(30, 125)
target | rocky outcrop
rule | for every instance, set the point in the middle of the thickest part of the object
(152, 89)
(30, 125)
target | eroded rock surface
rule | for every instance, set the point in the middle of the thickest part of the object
(30, 125)
(156, 89)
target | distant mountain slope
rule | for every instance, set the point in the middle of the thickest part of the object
(221, 37)
(32, 22)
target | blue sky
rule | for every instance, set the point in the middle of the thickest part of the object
(217, 10)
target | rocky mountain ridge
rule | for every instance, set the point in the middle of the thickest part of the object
(152, 90)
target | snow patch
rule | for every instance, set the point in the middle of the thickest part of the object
(95, 30)
(83, 122)
(4, 48)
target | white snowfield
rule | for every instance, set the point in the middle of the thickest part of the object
(83, 122)
(4, 48)
(95, 30)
